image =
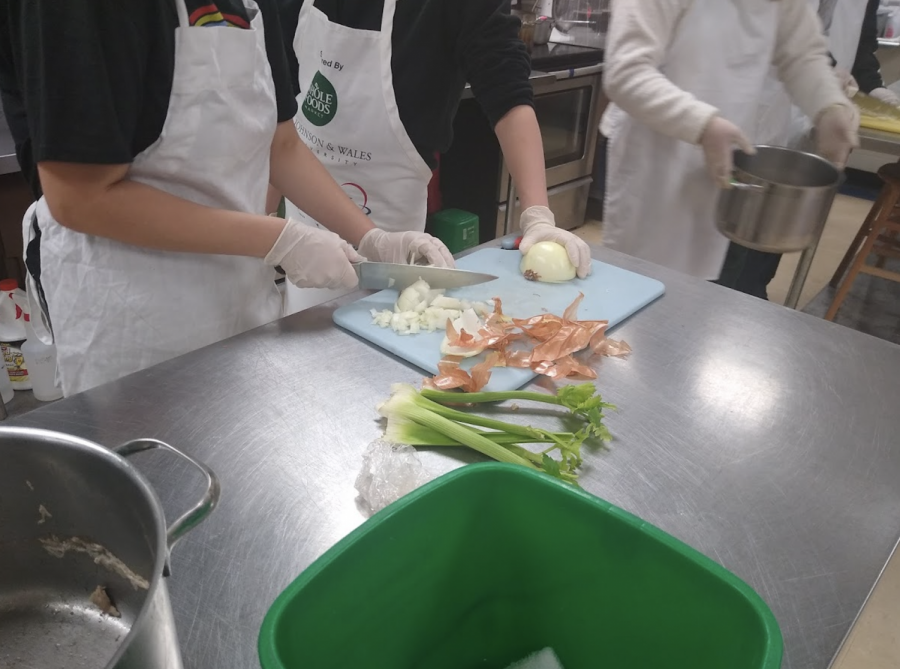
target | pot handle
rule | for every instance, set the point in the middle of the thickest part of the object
(740, 185)
(194, 516)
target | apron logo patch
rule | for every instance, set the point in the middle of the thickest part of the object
(321, 101)
(359, 196)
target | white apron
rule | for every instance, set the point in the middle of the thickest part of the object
(117, 308)
(348, 117)
(660, 200)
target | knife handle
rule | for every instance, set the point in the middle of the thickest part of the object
(510, 243)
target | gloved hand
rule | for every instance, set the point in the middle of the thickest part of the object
(886, 96)
(539, 225)
(314, 258)
(405, 248)
(847, 82)
(836, 133)
(718, 141)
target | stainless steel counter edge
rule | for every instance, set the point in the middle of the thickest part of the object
(8, 162)
(761, 436)
(879, 141)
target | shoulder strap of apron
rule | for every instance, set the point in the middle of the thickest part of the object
(183, 18)
(387, 18)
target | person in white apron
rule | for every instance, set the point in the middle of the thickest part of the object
(115, 307)
(387, 178)
(686, 72)
(779, 123)
(367, 148)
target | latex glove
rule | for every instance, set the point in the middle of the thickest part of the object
(314, 258)
(718, 141)
(836, 133)
(847, 82)
(886, 96)
(405, 248)
(539, 225)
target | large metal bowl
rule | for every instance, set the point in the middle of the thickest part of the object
(779, 201)
(75, 516)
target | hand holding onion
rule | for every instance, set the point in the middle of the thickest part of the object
(548, 262)
(538, 225)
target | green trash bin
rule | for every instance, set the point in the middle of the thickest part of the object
(458, 229)
(492, 562)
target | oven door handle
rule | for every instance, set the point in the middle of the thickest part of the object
(578, 183)
(556, 190)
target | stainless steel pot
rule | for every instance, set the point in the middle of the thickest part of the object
(779, 201)
(77, 522)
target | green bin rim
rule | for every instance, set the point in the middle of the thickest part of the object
(267, 648)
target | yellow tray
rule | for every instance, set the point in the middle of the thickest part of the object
(876, 115)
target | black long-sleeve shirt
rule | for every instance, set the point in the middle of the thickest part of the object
(438, 45)
(866, 68)
(88, 81)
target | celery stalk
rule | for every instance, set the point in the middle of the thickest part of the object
(582, 400)
(418, 435)
(415, 420)
(485, 397)
(404, 403)
(481, 421)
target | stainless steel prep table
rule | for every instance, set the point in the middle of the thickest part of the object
(8, 161)
(762, 436)
(879, 141)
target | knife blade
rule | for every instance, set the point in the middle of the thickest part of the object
(382, 275)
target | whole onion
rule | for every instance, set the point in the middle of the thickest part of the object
(548, 262)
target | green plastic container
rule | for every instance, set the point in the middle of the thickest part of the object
(456, 228)
(492, 562)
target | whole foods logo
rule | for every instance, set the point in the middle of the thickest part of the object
(321, 101)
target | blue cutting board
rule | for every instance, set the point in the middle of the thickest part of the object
(610, 293)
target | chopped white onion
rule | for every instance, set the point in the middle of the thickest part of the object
(421, 309)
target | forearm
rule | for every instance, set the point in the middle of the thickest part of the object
(523, 152)
(639, 35)
(101, 200)
(801, 58)
(297, 173)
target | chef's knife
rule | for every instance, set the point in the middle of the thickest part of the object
(381, 275)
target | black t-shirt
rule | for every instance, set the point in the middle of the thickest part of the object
(438, 46)
(88, 81)
(866, 68)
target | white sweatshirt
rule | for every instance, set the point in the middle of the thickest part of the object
(639, 35)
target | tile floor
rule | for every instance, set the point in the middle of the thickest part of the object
(874, 642)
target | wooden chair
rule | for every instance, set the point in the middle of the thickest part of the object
(878, 235)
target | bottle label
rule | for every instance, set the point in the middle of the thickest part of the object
(15, 363)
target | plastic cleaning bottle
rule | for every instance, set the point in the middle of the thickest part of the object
(40, 359)
(6, 389)
(12, 333)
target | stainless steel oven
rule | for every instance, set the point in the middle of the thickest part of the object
(568, 106)
(473, 177)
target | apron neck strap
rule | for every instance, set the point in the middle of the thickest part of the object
(387, 18)
(183, 19)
